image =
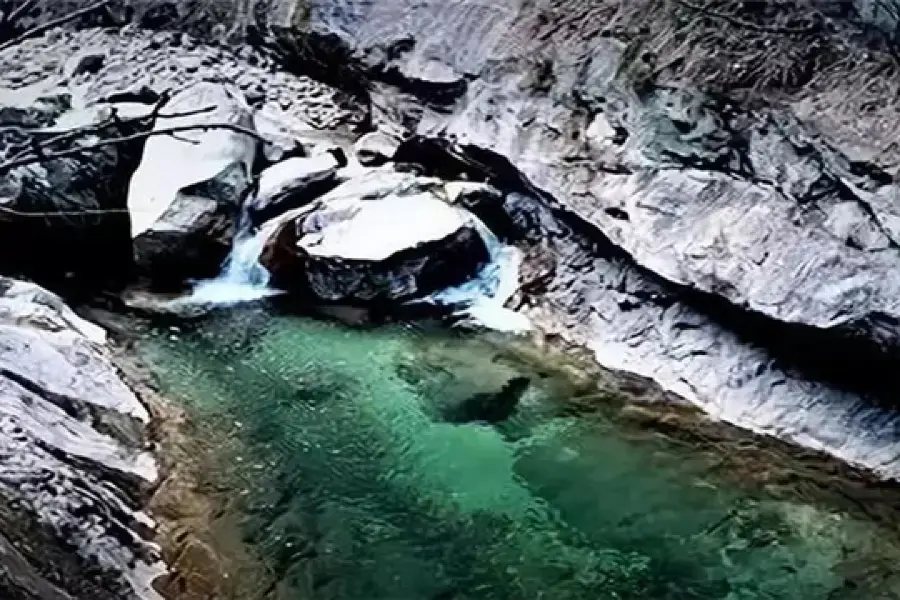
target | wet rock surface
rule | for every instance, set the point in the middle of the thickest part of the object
(74, 459)
(383, 237)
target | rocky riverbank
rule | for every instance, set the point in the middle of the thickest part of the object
(77, 464)
(725, 230)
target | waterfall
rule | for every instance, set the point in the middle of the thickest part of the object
(481, 300)
(243, 278)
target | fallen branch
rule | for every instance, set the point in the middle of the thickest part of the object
(36, 31)
(62, 213)
(15, 163)
(40, 148)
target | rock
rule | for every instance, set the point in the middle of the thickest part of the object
(490, 407)
(71, 203)
(72, 458)
(85, 62)
(141, 61)
(185, 196)
(292, 183)
(430, 79)
(375, 149)
(486, 202)
(693, 235)
(580, 288)
(381, 238)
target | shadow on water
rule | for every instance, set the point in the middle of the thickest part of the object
(373, 465)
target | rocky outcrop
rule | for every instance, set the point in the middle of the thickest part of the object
(382, 237)
(726, 229)
(185, 196)
(686, 222)
(141, 64)
(74, 465)
(291, 183)
(578, 286)
(64, 214)
(136, 67)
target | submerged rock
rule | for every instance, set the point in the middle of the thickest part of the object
(73, 459)
(384, 237)
(489, 407)
(185, 196)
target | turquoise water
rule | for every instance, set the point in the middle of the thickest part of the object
(353, 478)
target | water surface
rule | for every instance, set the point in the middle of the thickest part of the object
(353, 477)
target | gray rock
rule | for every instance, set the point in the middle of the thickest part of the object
(72, 457)
(139, 60)
(85, 62)
(375, 149)
(690, 208)
(185, 196)
(71, 202)
(379, 239)
(633, 323)
(292, 183)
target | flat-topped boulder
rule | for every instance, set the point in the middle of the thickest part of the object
(383, 237)
(292, 183)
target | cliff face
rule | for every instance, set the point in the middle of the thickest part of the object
(713, 183)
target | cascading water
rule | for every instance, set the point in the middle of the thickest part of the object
(479, 301)
(482, 300)
(243, 278)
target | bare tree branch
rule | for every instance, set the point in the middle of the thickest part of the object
(41, 155)
(36, 31)
(20, 10)
(36, 144)
(4, 210)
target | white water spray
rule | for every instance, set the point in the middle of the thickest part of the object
(243, 278)
(483, 298)
(479, 301)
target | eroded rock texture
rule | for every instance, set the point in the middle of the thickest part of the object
(722, 223)
(185, 197)
(73, 459)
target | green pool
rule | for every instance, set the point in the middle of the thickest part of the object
(358, 470)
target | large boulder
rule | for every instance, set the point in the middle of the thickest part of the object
(187, 192)
(384, 237)
(73, 459)
(66, 215)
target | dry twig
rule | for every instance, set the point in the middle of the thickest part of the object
(40, 155)
(36, 31)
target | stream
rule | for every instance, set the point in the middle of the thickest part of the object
(355, 470)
